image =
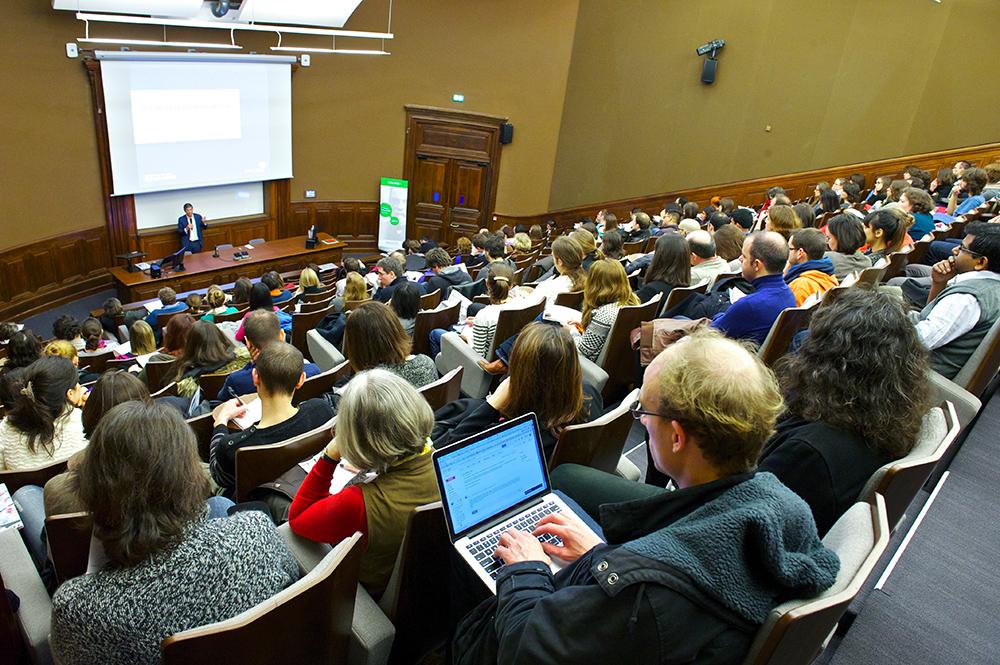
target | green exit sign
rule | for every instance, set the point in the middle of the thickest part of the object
(457, 97)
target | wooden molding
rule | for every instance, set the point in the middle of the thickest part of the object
(354, 222)
(753, 192)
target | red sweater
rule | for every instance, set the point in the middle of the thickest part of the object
(317, 515)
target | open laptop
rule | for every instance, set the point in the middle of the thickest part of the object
(491, 483)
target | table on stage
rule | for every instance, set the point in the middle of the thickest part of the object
(202, 269)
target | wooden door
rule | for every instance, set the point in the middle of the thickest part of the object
(452, 161)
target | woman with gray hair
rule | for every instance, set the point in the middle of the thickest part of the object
(384, 426)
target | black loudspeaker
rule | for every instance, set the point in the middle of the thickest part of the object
(708, 71)
(310, 243)
(506, 133)
(155, 271)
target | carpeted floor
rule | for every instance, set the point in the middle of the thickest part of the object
(41, 324)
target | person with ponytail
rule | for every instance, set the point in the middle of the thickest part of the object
(43, 425)
(92, 333)
(567, 259)
(885, 231)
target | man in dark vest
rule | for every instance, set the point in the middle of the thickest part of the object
(964, 300)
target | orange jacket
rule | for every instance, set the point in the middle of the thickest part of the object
(810, 282)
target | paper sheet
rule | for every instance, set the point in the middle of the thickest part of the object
(735, 294)
(9, 519)
(342, 475)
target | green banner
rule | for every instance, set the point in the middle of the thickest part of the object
(391, 182)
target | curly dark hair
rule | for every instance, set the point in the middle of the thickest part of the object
(863, 370)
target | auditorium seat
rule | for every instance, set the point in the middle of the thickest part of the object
(679, 294)
(981, 367)
(617, 357)
(256, 465)
(316, 385)
(444, 317)
(899, 481)
(309, 622)
(169, 390)
(325, 294)
(96, 361)
(32, 620)
(871, 276)
(795, 631)
(966, 404)
(444, 390)
(324, 354)
(571, 299)
(779, 338)
(430, 300)
(598, 444)
(635, 247)
(38, 475)
(301, 324)
(203, 426)
(211, 384)
(68, 538)
(235, 316)
(314, 306)
(157, 371)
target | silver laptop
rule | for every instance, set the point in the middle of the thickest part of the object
(493, 482)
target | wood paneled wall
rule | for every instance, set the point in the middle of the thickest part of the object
(52, 272)
(354, 222)
(752, 192)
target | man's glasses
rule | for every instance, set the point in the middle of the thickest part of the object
(638, 411)
(976, 255)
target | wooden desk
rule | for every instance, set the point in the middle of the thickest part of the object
(202, 269)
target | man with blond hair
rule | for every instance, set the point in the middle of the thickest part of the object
(684, 576)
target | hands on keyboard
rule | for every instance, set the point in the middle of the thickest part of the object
(484, 548)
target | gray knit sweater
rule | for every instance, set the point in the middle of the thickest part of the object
(220, 568)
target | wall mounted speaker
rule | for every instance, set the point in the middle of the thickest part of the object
(506, 133)
(708, 71)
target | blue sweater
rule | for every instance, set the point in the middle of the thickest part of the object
(752, 316)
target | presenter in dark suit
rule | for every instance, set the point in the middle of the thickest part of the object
(190, 226)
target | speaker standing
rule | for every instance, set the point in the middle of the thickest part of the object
(190, 226)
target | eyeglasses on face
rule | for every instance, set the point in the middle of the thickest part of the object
(975, 255)
(638, 412)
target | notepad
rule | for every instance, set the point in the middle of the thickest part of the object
(252, 415)
(342, 475)
(9, 518)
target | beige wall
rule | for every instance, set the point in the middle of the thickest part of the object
(842, 82)
(508, 57)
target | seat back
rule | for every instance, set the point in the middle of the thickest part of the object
(97, 361)
(211, 384)
(350, 305)
(679, 294)
(428, 321)
(226, 318)
(256, 465)
(430, 300)
(982, 365)
(899, 481)
(617, 357)
(418, 594)
(309, 622)
(532, 273)
(169, 390)
(918, 252)
(897, 263)
(316, 306)
(317, 296)
(966, 404)
(68, 539)
(116, 365)
(597, 444)
(301, 324)
(512, 321)
(871, 275)
(157, 372)
(38, 475)
(471, 289)
(572, 299)
(634, 247)
(316, 385)
(163, 319)
(779, 338)
(203, 426)
(444, 390)
(795, 631)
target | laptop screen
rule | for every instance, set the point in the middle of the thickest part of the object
(492, 473)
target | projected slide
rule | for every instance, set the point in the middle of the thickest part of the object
(181, 125)
(172, 116)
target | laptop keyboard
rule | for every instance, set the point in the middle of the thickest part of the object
(483, 547)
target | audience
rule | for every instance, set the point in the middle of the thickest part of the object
(521, 244)
(383, 425)
(277, 374)
(706, 264)
(351, 265)
(729, 245)
(355, 290)
(206, 351)
(308, 282)
(806, 215)
(261, 330)
(142, 341)
(670, 267)
(260, 298)
(846, 237)
(782, 219)
(174, 342)
(217, 305)
(918, 203)
(405, 302)
(607, 290)
(970, 183)
(545, 378)
(764, 256)
(446, 274)
(884, 232)
(964, 301)
(169, 568)
(567, 259)
(877, 195)
(92, 333)
(64, 349)
(43, 424)
(390, 275)
(373, 337)
(696, 570)
(612, 245)
(494, 250)
(169, 305)
(193, 301)
(588, 244)
(808, 271)
(241, 291)
(113, 311)
(855, 391)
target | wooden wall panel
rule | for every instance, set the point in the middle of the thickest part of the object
(354, 222)
(51, 272)
(752, 192)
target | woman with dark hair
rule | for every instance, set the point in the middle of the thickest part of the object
(92, 333)
(885, 232)
(729, 244)
(611, 245)
(405, 302)
(829, 202)
(806, 214)
(545, 377)
(855, 392)
(241, 291)
(876, 197)
(113, 312)
(670, 267)
(846, 236)
(260, 298)
(918, 203)
(940, 187)
(207, 351)
(169, 567)
(43, 426)
(22, 350)
(894, 190)
(373, 337)
(67, 327)
(174, 340)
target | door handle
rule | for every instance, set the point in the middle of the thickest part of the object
(454, 225)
